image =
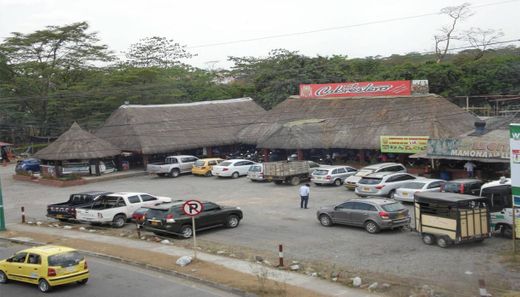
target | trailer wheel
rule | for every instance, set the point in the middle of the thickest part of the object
(278, 182)
(295, 180)
(506, 231)
(443, 241)
(428, 239)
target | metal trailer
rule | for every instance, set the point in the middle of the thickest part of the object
(450, 218)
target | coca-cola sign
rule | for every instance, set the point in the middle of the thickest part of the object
(357, 89)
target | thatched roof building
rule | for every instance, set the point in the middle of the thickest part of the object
(355, 123)
(151, 129)
(77, 144)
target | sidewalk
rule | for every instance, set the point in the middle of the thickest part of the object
(299, 280)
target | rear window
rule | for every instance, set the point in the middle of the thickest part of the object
(255, 168)
(452, 187)
(320, 172)
(370, 181)
(157, 213)
(199, 163)
(65, 259)
(393, 206)
(225, 163)
(364, 172)
(414, 185)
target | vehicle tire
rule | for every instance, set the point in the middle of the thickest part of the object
(83, 281)
(186, 231)
(392, 194)
(119, 221)
(63, 220)
(325, 220)
(278, 182)
(44, 286)
(174, 172)
(337, 182)
(208, 173)
(371, 227)
(3, 278)
(506, 231)
(235, 175)
(232, 221)
(295, 180)
(428, 239)
(443, 242)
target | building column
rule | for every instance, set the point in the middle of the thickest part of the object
(265, 155)
(362, 156)
(145, 161)
(299, 152)
(209, 151)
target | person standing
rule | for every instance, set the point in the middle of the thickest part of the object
(304, 195)
(470, 168)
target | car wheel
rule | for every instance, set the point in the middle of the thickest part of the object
(506, 231)
(325, 220)
(428, 239)
(443, 242)
(371, 227)
(119, 221)
(44, 286)
(392, 194)
(186, 231)
(295, 180)
(174, 173)
(3, 277)
(208, 173)
(235, 175)
(83, 281)
(278, 182)
(337, 182)
(232, 221)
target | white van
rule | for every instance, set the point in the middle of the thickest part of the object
(501, 211)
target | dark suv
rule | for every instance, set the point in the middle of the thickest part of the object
(469, 186)
(169, 219)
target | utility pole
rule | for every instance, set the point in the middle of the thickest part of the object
(2, 216)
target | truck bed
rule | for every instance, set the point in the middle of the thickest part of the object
(286, 169)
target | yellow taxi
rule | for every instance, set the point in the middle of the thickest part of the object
(204, 166)
(46, 266)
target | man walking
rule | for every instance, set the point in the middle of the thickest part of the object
(470, 168)
(304, 195)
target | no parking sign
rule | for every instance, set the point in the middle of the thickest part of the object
(192, 208)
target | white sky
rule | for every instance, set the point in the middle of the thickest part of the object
(198, 22)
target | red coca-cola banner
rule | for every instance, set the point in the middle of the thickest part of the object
(357, 89)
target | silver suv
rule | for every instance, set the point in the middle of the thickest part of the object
(373, 214)
(382, 184)
(332, 175)
(351, 182)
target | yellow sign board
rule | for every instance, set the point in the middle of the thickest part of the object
(404, 144)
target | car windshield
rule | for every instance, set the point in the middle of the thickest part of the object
(364, 172)
(65, 259)
(225, 163)
(255, 168)
(370, 181)
(199, 163)
(414, 185)
(393, 206)
(320, 172)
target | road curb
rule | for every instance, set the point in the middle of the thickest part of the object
(145, 266)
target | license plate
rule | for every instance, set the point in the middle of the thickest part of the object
(70, 269)
(400, 216)
(366, 189)
(405, 194)
(60, 216)
(155, 223)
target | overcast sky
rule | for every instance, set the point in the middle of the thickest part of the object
(204, 22)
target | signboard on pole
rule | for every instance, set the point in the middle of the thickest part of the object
(514, 143)
(403, 144)
(193, 208)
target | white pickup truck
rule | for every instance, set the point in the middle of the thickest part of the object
(172, 166)
(116, 208)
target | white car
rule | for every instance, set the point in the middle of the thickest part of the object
(351, 181)
(256, 172)
(232, 168)
(406, 192)
(332, 175)
(382, 183)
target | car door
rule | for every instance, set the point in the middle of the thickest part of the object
(341, 173)
(32, 268)
(134, 203)
(434, 186)
(211, 215)
(362, 212)
(243, 167)
(342, 212)
(15, 268)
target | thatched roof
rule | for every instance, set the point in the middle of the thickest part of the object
(77, 143)
(355, 123)
(150, 129)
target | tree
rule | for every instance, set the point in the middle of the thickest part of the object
(156, 52)
(44, 61)
(447, 33)
(481, 39)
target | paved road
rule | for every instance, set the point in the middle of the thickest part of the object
(113, 279)
(272, 216)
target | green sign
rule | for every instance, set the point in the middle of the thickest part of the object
(514, 143)
(403, 144)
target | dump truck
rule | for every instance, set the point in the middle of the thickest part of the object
(292, 172)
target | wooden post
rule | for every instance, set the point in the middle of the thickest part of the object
(145, 161)
(98, 170)
(209, 151)
(265, 155)
(194, 237)
(299, 152)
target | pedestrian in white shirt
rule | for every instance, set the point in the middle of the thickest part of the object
(304, 195)
(470, 168)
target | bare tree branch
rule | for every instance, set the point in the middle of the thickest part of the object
(447, 33)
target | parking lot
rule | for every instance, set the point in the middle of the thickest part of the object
(272, 216)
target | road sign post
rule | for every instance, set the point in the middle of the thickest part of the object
(193, 208)
(514, 143)
(2, 215)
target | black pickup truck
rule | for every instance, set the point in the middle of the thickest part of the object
(67, 210)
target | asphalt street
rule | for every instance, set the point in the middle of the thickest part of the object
(112, 279)
(272, 216)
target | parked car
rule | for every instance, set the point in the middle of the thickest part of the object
(469, 186)
(116, 208)
(204, 166)
(46, 266)
(406, 191)
(500, 205)
(139, 215)
(256, 172)
(67, 210)
(28, 165)
(382, 183)
(373, 214)
(232, 168)
(351, 181)
(335, 175)
(169, 218)
(172, 166)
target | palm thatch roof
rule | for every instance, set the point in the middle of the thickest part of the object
(151, 129)
(355, 123)
(75, 144)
